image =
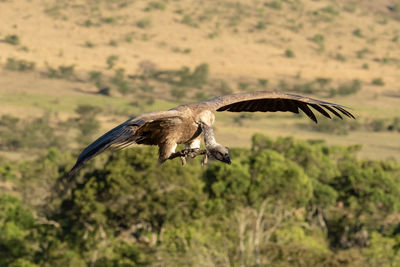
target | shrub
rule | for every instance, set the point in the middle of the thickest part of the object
(361, 53)
(378, 82)
(12, 39)
(358, 33)
(95, 77)
(347, 88)
(113, 43)
(146, 88)
(109, 20)
(323, 82)
(67, 72)
(111, 60)
(319, 39)
(87, 123)
(289, 53)
(19, 65)
(119, 81)
(223, 88)
(178, 92)
(330, 10)
(340, 57)
(144, 23)
(188, 20)
(275, 4)
(261, 25)
(243, 86)
(263, 82)
(89, 44)
(63, 72)
(155, 5)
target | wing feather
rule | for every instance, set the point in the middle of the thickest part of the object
(141, 129)
(307, 111)
(265, 101)
(333, 111)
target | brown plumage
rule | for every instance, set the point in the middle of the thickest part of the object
(184, 124)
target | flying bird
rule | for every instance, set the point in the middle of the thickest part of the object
(184, 124)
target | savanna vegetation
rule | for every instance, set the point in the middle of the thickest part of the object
(282, 202)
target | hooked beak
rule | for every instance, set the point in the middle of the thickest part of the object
(227, 159)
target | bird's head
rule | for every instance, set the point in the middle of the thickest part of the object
(221, 153)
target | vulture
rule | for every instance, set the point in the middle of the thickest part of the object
(184, 124)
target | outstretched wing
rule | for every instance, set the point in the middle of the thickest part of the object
(124, 135)
(266, 101)
(119, 136)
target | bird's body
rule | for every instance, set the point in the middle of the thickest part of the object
(185, 124)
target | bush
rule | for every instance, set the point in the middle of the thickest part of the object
(144, 23)
(16, 134)
(378, 82)
(319, 39)
(263, 82)
(96, 78)
(119, 81)
(284, 202)
(178, 92)
(261, 25)
(63, 72)
(19, 65)
(289, 53)
(358, 33)
(12, 39)
(362, 53)
(155, 5)
(113, 43)
(111, 60)
(89, 44)
(340, 57)
(275, 4)
(347, 88)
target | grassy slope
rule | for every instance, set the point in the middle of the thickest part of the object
(223, 34)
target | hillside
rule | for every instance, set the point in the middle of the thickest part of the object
(49, 48)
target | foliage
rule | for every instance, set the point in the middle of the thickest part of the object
(111, 60)
(144, 23)
(282, 202)
(12, 39)
(63, 72)
(37, 133)
(119, 81)
(184, 77)
(319, 39)
(378, 82)
(87, 123)
(289, 53)
(19, 64)
(347, 88)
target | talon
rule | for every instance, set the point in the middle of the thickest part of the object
(193, 152)
(183, 159)
(205, 159)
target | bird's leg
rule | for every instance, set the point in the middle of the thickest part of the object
(188, 152)
(205, 159)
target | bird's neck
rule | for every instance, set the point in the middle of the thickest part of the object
(209, 138)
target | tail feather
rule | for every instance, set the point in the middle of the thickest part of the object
(122, 134)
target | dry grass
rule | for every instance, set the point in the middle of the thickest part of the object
(224, 34)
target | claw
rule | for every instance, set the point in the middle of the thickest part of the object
(193, 152)
(205, 159)
(183, 159)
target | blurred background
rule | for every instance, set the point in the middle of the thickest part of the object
(297, 194)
